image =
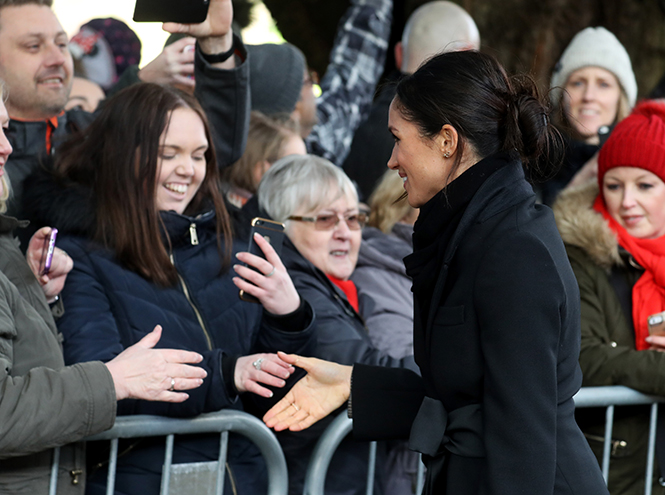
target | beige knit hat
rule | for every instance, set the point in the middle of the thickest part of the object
(595, 47)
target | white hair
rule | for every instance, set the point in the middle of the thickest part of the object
(437, 27)
(302, 183)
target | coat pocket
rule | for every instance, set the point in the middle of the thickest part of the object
(449, 315)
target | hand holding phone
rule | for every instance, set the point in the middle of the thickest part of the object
(47, 253)
(657, 324)
(273, 232)
(262, 275)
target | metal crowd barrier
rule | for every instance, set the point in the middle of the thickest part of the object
(218, 422)
(608, 397)
(317, 470)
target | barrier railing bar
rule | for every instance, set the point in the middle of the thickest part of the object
(55, 466)
(420, 477)
(220, 421)
(166, 469)
(323, 452)
(113, 464)
(223, 451)
(609, 424)
(653, 420)
(372, 468)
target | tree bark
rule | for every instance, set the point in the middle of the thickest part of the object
(525, 35)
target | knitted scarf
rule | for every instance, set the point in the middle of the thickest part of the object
(649, 291)
(349, 289)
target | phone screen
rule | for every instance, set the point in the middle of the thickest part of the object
(47, 252)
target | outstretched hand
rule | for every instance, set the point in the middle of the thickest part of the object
(261, 368)
(325, 388)
(175, 65)
(141, 372)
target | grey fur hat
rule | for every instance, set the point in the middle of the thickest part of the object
(275, 77)
(595, 47)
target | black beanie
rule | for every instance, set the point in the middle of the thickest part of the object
(276, 77)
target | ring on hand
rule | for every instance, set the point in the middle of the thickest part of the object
(257, 364)
(172, 385)
(272, 272)
(296, 407)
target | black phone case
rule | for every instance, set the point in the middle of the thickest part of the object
(182, 11)
(273, 232)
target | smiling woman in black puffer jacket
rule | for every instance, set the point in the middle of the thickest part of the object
(137, 201)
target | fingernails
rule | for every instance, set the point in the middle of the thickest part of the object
(271, 394)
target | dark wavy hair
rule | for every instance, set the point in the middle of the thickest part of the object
(490, 111)
(117, 157)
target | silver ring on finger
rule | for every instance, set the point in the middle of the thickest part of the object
(272, 272)
(295, 406)
(257, 364)
(172, 388)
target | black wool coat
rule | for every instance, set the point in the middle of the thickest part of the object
(498, 352)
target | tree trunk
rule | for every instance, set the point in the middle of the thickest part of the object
(525, 35)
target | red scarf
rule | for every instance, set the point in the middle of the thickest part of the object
(349, 289)
(649, 291)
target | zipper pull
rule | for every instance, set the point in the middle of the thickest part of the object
(76, 474)
(193, 235)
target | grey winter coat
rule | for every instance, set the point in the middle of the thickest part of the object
(384, 289)
(43, 404)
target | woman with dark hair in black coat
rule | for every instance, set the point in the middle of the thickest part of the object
(497, 310)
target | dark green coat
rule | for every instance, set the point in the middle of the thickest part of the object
(607, 353)
(42, 403)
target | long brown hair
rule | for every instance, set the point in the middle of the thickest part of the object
(117, 156)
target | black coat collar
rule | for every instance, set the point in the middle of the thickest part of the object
(504, 189)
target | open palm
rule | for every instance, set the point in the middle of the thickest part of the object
(325, 388)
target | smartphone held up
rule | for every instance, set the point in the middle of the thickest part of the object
(47, 253)
(273, 232)
(180, 11)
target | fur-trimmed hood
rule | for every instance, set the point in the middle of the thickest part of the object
(580, 225)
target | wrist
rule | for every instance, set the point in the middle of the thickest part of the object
(216, 45)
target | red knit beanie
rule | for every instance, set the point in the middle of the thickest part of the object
(637, 141)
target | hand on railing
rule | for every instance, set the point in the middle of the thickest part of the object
(324, 389)
(263, 368)
(141, 372)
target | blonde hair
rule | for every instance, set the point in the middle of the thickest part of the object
(266, 140)
(387, 204)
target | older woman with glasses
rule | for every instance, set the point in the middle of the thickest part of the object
(319, 205)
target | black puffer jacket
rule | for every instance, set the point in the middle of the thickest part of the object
(108, 308)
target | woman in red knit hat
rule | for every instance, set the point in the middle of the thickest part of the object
(614, 234)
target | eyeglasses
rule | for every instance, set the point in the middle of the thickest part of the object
(328, 221)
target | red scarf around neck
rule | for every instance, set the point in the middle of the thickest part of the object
(649, 291)
(349, 289)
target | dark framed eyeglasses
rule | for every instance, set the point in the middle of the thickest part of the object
(328, 221)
